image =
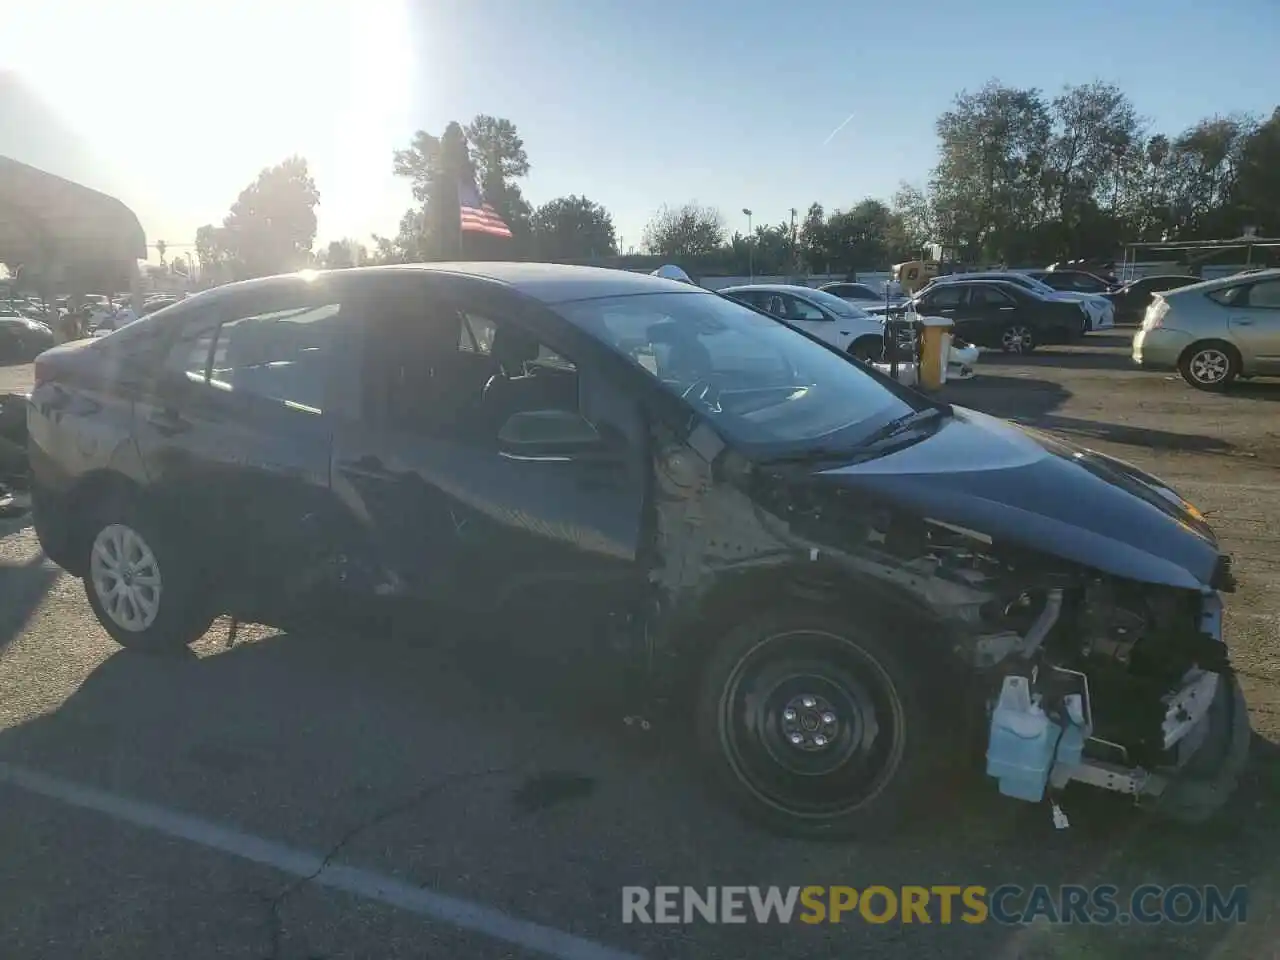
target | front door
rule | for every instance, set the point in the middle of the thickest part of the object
(452, 515)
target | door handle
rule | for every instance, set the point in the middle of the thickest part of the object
(168, 422)
(1242, 322)
(1008, 308)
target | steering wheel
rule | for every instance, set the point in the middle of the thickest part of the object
(705, 392)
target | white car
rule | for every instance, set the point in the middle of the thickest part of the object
(840, 323)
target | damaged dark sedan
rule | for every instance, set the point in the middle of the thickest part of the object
(844, 585)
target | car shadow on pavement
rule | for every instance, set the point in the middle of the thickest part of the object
(1134, 436)
(1256, 390)
(1007, 396)
(1086, 357)
(342, 733)
(22, 588)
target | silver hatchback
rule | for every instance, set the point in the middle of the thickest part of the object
(1215, 331)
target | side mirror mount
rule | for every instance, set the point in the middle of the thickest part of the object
(547, 433)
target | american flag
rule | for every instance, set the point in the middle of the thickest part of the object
(477, 216)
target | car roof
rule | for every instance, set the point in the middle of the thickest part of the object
(1161, 276)
(976, 278)
(1221, 282)
(793, 288)
(547, 282)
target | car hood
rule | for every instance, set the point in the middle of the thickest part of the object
(1022, 486)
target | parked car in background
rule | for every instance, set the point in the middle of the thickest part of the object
(1072, 281)
(1215, 331)
(829, 318)
(22, 338)
(830, 576)
(859, 294)
(1098, 312)
(1000, 313)
(1132, 299)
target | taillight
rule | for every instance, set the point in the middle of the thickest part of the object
(1155, 313)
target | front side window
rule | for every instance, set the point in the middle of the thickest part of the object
(758, 381)
(460, 375)
(945, 296)
(833, 304)
(796, 309)
(1265, 294)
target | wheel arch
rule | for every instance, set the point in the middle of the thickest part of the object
(85, 497)
(686, 642)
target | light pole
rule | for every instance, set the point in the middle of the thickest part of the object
(751, 246)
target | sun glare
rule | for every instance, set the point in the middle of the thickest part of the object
(226, 89)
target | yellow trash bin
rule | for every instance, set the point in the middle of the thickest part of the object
(935, 343)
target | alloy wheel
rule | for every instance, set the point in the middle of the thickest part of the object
(126, 577)
(1209, 366)
(1016, 339)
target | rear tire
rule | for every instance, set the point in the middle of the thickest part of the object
(813, 727)
(1210, 365)
(142, 582)
(1017, 338)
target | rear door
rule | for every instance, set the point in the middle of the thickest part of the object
(235, 436)
(450, 514)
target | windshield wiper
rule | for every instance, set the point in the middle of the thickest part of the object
(891, 429)
(904, 423)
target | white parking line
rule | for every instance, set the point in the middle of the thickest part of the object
(307, 865)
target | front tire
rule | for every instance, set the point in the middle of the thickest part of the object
(812, 727)
(868, 349)
(142, 583)
(1210, 366)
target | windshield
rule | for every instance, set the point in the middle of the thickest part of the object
(757, 380)
(841, 308)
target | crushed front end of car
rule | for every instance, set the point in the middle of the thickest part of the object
(1072, 603)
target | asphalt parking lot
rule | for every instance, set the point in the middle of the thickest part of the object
(442, 794)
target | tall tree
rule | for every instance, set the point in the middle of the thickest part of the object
(1257, 189)
(272, 224)
(433, 165)
(684, 232)
(497, 153)
(1096, 130)
(993, 146)
(573, 228)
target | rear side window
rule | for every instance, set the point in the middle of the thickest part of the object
(281, 355)
(984, 296)
(1228, 296)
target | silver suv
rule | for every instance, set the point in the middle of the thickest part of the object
(1215, 331)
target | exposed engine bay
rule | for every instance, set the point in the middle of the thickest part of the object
(1081, 675)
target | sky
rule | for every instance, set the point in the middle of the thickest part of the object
(175, 107)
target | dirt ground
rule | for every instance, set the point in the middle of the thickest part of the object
(510, 782)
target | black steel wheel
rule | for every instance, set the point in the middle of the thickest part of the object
(813, 726)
